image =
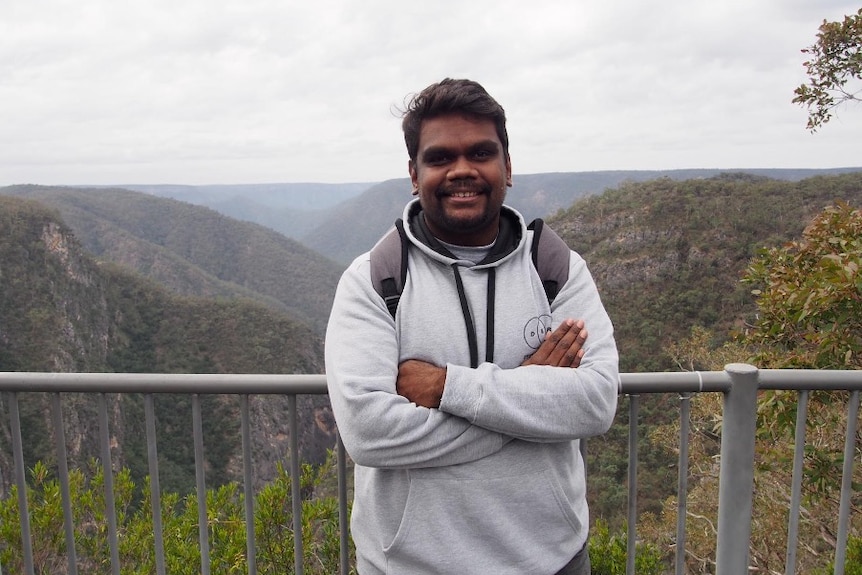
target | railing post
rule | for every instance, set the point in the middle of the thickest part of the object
(21, 483)
(682, 481)
(631, 535)
(247, 483)
(295, 484)
(108, 478)
(736, 477)
(63, 475)
(343, 515)
(796, 481)
(155, 488)
(846, 483)
(200, 482)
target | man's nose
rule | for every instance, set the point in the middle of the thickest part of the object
(462, 168)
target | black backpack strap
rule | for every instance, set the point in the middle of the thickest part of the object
(389, 266)
(550, 257)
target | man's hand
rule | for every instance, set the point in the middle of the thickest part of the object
(563, 347)
(421, 382)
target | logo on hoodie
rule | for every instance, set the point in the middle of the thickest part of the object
(536, 329)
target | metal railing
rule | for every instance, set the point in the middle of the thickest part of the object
(739, 384)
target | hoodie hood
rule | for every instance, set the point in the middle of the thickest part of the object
(511, 235)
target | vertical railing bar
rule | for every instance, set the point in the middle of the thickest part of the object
(631, 535)
(155, 489)
(682, 480)
(200, 481)
(63, 476)
(248, 487)
(108, 477)
(343, 517)
(736, 476)
(796, 481)
(295, 496)
(21, 482)
(846, 483)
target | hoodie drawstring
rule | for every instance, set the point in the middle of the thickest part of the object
(472, 339)
(489, 333)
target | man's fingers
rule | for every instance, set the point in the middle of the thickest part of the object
(562, 347)
(572, 358)
(568, 346)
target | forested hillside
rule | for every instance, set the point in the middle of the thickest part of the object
(667, 256)
(194, 250)
(61, 311)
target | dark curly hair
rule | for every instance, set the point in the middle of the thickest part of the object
(451, 97)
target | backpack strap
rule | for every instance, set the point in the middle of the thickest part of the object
(550, 257)
(389, 266)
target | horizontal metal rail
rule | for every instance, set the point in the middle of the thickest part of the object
(213, 384)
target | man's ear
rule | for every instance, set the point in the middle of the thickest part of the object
(508, 171)
(414, 177)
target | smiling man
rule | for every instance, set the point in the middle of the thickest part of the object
(461, 173)
(468, 462)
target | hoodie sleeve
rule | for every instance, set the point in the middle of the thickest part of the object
(543, 403)
(380, 428)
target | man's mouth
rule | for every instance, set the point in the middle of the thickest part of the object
(463, 191)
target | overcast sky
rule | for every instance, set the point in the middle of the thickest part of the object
(255, 91)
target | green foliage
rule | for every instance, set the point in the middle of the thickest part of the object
(608, 553)
(225, 517)
(852, 560)
(809, 315)
(273, 526)
(46, 520)
(809, 296)
(835, 61)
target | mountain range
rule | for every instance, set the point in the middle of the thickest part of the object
(110, 279)
(343, 220)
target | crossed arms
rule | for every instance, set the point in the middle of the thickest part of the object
(423, 383)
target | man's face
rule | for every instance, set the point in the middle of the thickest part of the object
(461, 173)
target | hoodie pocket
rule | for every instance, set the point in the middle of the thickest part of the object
(501, 525)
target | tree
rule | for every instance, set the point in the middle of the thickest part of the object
(809, 300)
(834, 69)
(809, 296)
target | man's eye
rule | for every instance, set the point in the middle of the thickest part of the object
(483, 154)
(436, 160)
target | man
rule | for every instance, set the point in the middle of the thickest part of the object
(466, 437)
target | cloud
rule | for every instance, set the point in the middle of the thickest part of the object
(264, 90)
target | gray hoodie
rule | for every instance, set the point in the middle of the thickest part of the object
(491, 482)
